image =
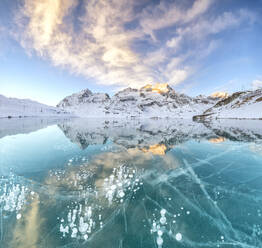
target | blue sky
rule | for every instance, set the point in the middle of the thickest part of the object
(52, 48)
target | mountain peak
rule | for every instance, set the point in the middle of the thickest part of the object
(221, 95)
(85, 93)
(157, 88)
(75, 98)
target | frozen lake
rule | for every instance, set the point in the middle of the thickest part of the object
(130, 184)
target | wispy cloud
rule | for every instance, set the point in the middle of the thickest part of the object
(96, 38)
(167, 14)
(256, 84)
(225, 21)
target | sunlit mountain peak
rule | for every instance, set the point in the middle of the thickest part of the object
(219, 95)
(157, 88)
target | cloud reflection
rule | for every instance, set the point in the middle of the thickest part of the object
(27, 231)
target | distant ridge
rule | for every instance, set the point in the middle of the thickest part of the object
(13, 107)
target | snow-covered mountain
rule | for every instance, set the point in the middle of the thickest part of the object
(13, 107)
(158, 100)
(150, 101)
(85, 103)
(240, 105)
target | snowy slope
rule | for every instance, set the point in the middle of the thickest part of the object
(158, 100)
(240, 105)
(13, 107)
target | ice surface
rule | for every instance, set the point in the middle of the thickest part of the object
(198, 193)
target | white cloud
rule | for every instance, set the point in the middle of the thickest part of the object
(165, 15)
(100, 49)
(178, 76)
(256, 84)
(205, 27)
(96, 43)
(174, 42)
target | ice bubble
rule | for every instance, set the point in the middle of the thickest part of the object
(121, 194)
(154, 227)
(113, 187)
(89, 212)
(82, 225)
(187, 212)
(163, 212)
(159, 241)
(178, 236)
(163, 220)
(64, 230)
(74, 232)
(18, 216)
(159, 233)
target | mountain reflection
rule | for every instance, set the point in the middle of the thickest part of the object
(217, 140)
(158, 149)
(27, 231)
(157, 136)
